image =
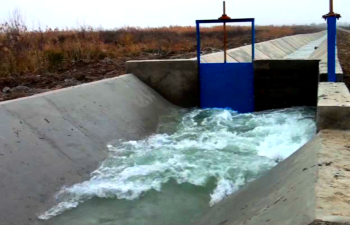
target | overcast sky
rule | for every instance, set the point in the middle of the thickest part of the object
(154, 13)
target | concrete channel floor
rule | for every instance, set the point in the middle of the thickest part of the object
(306, 51)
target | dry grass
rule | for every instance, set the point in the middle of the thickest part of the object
(344, 54)
(48, 51)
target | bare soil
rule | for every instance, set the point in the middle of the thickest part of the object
(344, 54)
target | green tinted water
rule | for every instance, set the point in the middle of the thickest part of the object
(196, 159)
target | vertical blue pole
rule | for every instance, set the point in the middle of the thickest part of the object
(332, 40)
(253, 40)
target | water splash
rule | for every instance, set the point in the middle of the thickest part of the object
(194, 147)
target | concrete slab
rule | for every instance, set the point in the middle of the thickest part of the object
(240, 55)
(317, 49)
(293, 41)
(258, 54)
(57, 138)
(283, 45)
(271, 50)
(300, 38)
(217, 57)
(333, 108)
(321, 50)
(307, 50)
(320, 53)
(176, 80)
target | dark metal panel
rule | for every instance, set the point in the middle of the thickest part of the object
(227, 85)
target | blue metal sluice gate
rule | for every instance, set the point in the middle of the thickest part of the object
(226, 85)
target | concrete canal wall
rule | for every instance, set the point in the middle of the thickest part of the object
(308, 188)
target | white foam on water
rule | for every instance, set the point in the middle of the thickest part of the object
(194, 147)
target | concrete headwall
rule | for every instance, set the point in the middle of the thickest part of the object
(285, 83)
(57, 138)
(277, 83)
(176, 80)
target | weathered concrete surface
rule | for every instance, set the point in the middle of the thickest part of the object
(292, 41)
(217, 57)
(271, 50)
(333, 181)
(333, 109)
(310, 187)
(307, 50)
(58, 138)
(321, 53)
(285, 83)
(176, 80)
(283, 45)
(240, 55)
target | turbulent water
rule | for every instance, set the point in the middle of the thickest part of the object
(197, 158)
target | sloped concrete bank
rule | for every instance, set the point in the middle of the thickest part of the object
(58, 138)
(310, 187)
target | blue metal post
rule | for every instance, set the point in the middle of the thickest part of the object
(332, 42)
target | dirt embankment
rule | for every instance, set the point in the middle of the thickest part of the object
(344, 54)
